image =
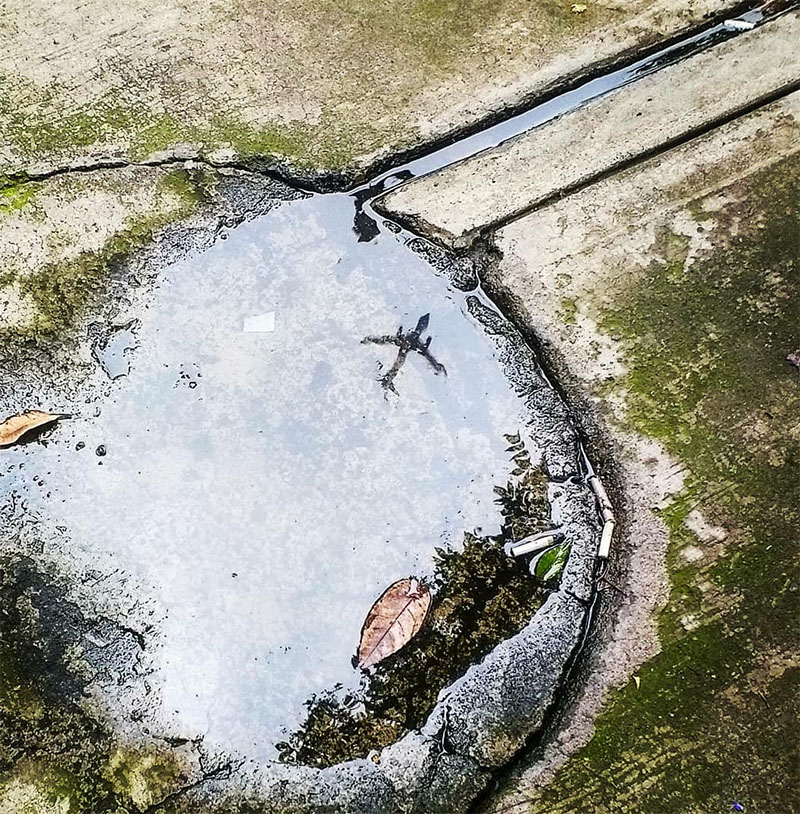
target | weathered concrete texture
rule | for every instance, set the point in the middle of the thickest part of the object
(46, 228)
(668, 294)
(549, 414)
(357, 787)
(456, 203)
(323, 84)
(575, 512)
(492, 711)
(428, 778)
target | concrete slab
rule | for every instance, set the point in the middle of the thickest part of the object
(456, 203)
(323, 84)
(666, 299)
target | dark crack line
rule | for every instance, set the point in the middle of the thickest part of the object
(224, 772)
(102, 164)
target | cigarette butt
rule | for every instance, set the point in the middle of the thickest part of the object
(605, 540)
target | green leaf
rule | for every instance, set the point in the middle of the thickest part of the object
(551, 562)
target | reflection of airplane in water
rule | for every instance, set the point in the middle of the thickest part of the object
(406, 343)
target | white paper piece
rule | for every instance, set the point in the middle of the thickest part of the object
(261, 323)
(739, 25)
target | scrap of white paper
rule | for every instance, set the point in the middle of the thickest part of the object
(261, 323)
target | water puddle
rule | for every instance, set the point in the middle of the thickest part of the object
(296, 420)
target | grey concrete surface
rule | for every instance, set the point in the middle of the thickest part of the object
(489, 714)
(456, 203)
(317, 84)
(565, 266)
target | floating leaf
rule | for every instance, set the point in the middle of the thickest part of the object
(550, 564)
(13, 428)
(394, 619)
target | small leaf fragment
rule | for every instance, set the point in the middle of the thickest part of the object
(550, 563)
(637, 681)
(16, 426)
(394, 619)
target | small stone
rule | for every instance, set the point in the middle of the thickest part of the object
(100, 451)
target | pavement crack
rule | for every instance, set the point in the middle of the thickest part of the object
(104, 165)
(224, 771)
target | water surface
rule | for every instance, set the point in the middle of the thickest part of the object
(250, 471)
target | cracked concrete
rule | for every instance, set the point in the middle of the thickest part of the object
(458, 202)
(75, 226)
(319, 85)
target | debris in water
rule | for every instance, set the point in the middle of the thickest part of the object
(794, 358)
(394, 619)
(410, 341)
(579, 8)
(15, 427)
(535, 542)
(739, 25)
(261, 323)
(549, 565)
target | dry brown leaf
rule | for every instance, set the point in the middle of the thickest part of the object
(13, 428)
(394, 619)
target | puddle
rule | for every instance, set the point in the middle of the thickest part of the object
(253, 476)
(493, 136)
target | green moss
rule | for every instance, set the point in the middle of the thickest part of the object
(195, 187)
(714, 718)
(481, 598)
(61, 291)
(569, 309)
(15, 194)
(41, 725)
(46, 737)
(143, 776)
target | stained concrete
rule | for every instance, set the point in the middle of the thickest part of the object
(564, 268)
(456, 203)
(315, 84)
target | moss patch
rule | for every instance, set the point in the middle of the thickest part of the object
(61, 291)
(714, 719)
(14, 195)
(47, 741)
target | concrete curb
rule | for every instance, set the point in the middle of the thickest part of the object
(455, 204)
